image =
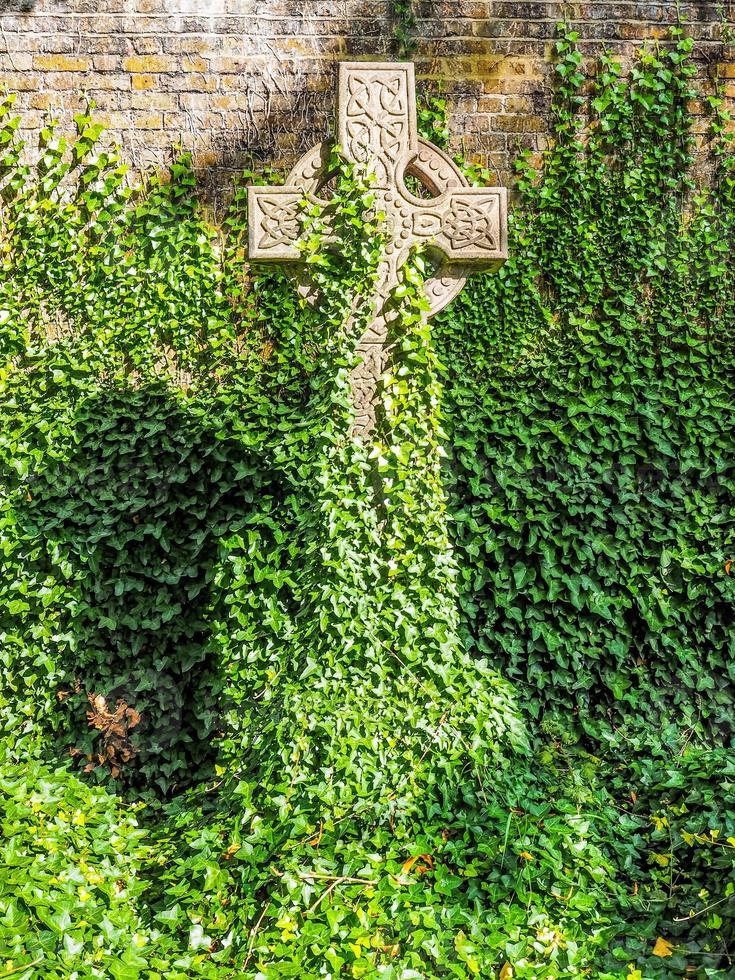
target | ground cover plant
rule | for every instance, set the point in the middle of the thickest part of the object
(457, 705)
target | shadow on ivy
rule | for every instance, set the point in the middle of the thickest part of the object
(131, 515)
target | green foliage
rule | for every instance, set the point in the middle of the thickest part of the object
(404, 28)
(115, 487)
(588, 402)
(297, 649)
(431, 114)
(69, 890)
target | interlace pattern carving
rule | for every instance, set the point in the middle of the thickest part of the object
(280, 222)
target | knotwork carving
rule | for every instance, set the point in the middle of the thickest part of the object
(279, 224)
(469, 224)
(377, 117)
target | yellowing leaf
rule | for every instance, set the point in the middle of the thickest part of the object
(663, 947)
(427, 864)
(526, 856)
(231, 851)
(633, 974)
(407, 865)
(506, 973)
(662, 859)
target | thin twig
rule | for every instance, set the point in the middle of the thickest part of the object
(20, 969)
(505, 841)
(686, 918)
(339, 879)
(254, 933)
(323, 895)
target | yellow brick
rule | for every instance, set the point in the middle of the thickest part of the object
(194, 63)
(21, 81)
(113, 120)
(149, 63)
(511, 67)
(518, 103)
(319, 83)
(150, 101)
(233, 81)
(143, 82)
(225, 102)
(509, 86)
(112, 83)
(206, 158)
(41, 100)
(489, 103)
(520, 124)
(295, 45)
(187, 82)
(60, 62)
(60, 81)
(152, 121)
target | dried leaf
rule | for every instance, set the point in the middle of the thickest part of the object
(663, 948)
(114, 727)
(231, 851)
(407, 865)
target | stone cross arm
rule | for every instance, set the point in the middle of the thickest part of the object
(465, 224)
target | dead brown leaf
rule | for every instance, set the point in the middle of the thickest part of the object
(114, 726)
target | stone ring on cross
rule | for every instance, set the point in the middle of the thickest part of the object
(466, 226)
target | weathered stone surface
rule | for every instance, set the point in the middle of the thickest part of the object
(376, 127)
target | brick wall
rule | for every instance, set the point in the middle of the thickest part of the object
(242, 80)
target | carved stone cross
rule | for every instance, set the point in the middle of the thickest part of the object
(465, 227)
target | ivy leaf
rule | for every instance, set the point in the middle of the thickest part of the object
(663, 948)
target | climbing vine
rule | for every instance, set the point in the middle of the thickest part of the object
(608, 510)
(452, 704)
(404, 28)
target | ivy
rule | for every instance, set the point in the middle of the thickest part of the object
(588, 390)
(455, 704)
(404, 28)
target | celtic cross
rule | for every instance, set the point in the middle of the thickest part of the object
(463, 226)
